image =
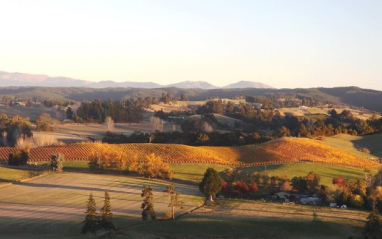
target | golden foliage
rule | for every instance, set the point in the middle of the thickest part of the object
(282, 150)
(154, 167)
(107, 157)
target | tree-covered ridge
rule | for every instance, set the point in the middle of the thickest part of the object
(119, 111)
(369, 99)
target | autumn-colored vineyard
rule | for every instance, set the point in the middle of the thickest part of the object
(277, 151)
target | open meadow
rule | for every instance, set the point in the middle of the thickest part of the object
(53, 205)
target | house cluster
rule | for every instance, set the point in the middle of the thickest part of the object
(298, 197)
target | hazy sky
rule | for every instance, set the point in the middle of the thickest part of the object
(286, 44)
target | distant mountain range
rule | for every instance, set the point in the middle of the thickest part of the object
(23, 79)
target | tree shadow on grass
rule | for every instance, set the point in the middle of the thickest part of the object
(43, 185)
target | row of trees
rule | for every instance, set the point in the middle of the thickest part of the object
(94, 221)
(259, 120)
(119, 111)
(104, 220)
(107, 158)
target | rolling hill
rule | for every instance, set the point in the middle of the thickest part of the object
(349, 96)
(284, 150)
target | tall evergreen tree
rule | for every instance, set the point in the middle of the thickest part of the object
(106, 220)
(91, 224)
(373, 224)
(211, 183)
(147, 205)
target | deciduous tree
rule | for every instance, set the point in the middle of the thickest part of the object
(154, 167)
(174, 198)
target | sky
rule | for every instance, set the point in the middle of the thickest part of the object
(285, 44)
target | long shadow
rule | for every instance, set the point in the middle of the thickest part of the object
(372, 142)
(42, 185)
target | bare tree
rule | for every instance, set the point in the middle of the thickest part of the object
(157, 123)
(109, 122)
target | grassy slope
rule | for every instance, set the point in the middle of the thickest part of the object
(192, 172)
(352, 143)
(326, 172)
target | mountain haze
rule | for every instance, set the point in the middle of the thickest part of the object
(193, 85)
(22, 79)
(248, 84)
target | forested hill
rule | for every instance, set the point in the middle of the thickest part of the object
(369, 99)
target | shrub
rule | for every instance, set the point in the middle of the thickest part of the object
(57, 162)
(18, 158)
(225, 187)
(364, 150)
(254, 187)
(300, 184)
(167, 215)
(339, 182)
(355, 201)
(286, 186)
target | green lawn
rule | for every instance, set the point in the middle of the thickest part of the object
(76, 164)
(193, 172)
(326, 172)
(11, 174)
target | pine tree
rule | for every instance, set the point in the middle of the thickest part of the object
(373, 224)
(174, 198)
(147, 205)
(211, 183)
(91, 224)
(106, 220)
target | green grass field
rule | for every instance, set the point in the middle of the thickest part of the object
(193, 172)
(12, 174)
(352, 143)
(326, 172)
